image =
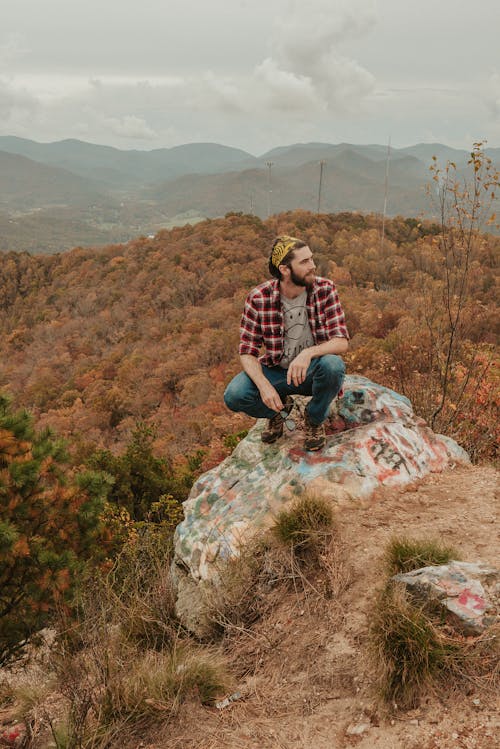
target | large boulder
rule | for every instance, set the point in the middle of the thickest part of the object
(373, 439)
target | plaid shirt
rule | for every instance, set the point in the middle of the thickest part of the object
(262, 319)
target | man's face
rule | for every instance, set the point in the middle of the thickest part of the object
(302, 268)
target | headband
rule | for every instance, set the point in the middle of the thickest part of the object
(281, 249)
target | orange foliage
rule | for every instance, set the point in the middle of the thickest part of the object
(94, 340)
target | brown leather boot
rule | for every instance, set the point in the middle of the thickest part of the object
(274, 428)
(314, 435)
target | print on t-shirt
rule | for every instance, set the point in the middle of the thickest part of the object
(298, 334)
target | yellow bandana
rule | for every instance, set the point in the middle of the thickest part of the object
(281, 249)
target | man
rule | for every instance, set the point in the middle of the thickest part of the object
(298, 319)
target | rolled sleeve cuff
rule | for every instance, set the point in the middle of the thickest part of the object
(247, 348)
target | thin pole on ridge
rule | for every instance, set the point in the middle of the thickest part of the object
(269, 165)
(386, 188)
(321, 165)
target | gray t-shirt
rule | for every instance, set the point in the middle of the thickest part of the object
(298, 334)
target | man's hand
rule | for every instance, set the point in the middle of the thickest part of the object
(297, 371)
(270, 396)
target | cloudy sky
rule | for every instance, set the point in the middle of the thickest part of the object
(251, 73)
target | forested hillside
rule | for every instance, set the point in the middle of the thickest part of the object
(94, 341)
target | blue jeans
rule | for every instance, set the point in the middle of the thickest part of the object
(324, 379)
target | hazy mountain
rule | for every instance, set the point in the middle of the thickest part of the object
(26, 184)
(128, 168)
(86, 194)
(351, 182)
(302, 153)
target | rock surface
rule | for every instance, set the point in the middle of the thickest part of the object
(373, 439)
(469, 593)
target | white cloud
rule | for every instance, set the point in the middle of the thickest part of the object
(13, 47)
(492, 96)
(15, 102)
(282, 89)
(130, 127)
(309, 43)
(251, 74)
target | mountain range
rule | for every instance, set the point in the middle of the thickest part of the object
(56, 195)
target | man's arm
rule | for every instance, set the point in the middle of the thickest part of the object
(252, 366)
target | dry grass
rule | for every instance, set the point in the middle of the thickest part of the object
(411, 655)
(117, 692)
(127, 663)
(302, 554)
(413, 650)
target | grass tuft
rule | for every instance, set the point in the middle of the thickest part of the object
(413, 650)
(410, 652)
(406, 554)
(144, 685)
(307, 526)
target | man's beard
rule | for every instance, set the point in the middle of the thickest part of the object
(307, 281)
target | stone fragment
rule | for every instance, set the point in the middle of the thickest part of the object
(358, 729)
(468, 592)
(228, 700)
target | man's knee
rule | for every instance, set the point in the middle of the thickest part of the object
(332, 368)
(239, 392)
(231, 397)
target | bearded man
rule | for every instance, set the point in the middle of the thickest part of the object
(298, 320)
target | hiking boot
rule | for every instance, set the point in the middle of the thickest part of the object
(274, 429)
(314, 435)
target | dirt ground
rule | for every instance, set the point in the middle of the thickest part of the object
(302, 671)
(305, 679)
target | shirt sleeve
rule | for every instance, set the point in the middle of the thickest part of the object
(250, 329)
(335, 319)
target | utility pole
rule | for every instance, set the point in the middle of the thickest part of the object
(269, 165)
(386, 186)
(321, 165)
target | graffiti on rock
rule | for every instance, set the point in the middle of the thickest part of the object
(465, 591)
(373, 439)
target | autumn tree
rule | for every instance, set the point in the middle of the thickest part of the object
(48, 527)
(465, 207)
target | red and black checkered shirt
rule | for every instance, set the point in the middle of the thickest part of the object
(262, 319)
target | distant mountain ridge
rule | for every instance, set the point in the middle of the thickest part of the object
(120, 168)
(27, 184)
(120, 194)
(114, 166)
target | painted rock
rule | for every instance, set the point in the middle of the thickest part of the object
(468, 592)
(373, 439)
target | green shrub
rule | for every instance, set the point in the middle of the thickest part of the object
(232, 440)
(140, 479)
(406, 554)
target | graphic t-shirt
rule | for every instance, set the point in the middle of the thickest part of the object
(298, 334)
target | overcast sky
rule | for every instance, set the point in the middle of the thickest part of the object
(251, 73)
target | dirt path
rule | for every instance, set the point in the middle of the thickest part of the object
(306, 681)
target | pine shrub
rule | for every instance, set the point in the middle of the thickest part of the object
(48, 527)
